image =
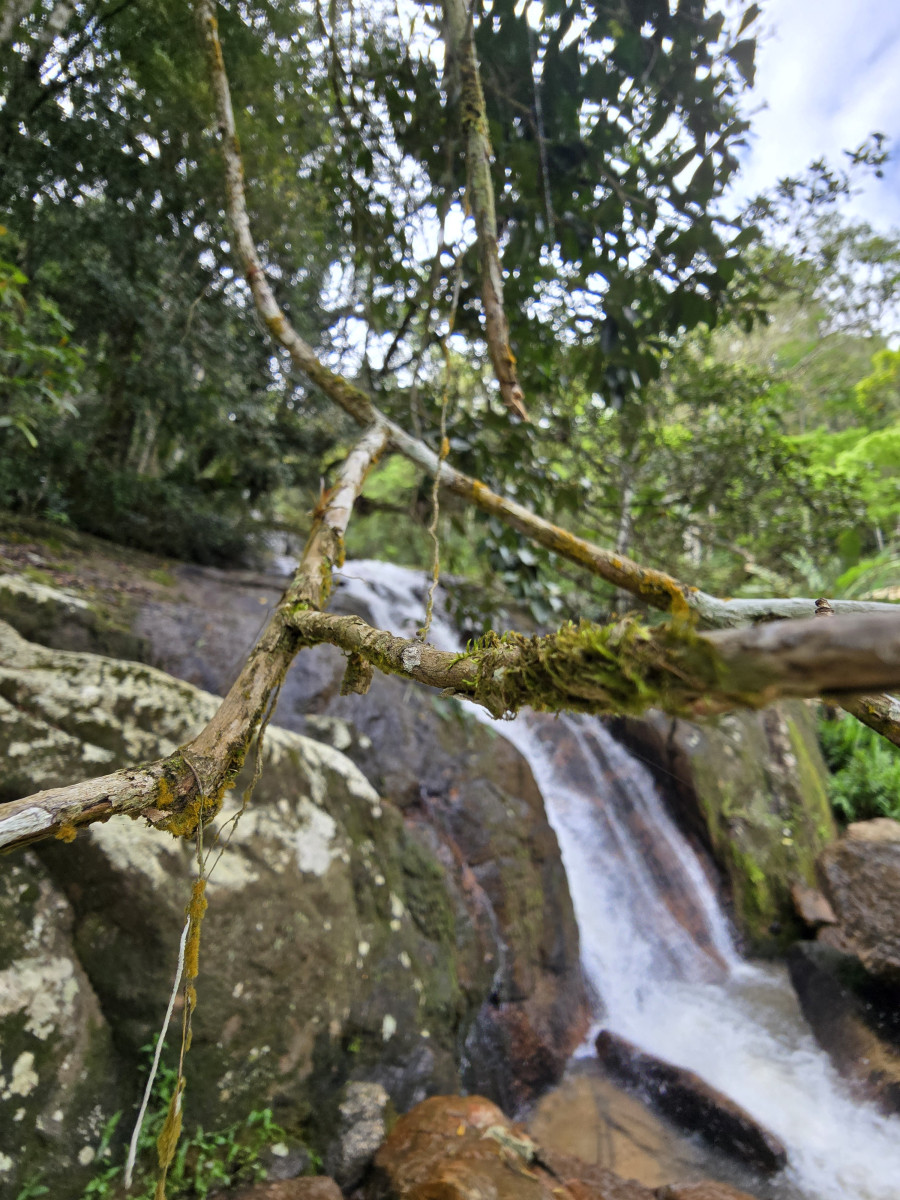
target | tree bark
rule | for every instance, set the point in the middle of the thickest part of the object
(627, 667)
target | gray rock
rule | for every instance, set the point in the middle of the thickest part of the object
(361, 1130)
(58, 1079)
(750, 789)
(861, 877)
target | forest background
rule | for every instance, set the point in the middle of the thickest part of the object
(712, 389)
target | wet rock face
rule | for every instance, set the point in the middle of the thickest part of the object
(692, 1103)
(861, 877)
(702, 1191)
(856, 1020)
(751, 789)
(57, 1068)
(590, 1117)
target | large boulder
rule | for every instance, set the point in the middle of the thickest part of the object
(58, 1071)
(344, 945)
(467, 788)
(591, 1117)
(861, 878)
(750, 788)
(335, 945)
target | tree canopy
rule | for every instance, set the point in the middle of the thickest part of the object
(499, 238)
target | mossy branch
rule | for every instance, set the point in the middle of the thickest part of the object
(628, 667)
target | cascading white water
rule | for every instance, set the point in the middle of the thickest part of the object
(667, 974)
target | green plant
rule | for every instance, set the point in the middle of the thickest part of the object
(31, 1189)
(865, 780)
(206, 1161)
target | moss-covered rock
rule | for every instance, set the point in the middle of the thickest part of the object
(66, 620)
(751, 788)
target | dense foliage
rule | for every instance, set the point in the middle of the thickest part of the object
(140, 400)
(865, 780)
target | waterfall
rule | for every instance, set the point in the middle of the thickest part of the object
(657, 947)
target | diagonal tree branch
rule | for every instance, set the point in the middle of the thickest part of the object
(655, 588)
(208, 765)
(463, 81)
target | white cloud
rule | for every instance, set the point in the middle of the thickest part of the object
(829, 75)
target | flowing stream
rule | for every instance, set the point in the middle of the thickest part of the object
(662, 959)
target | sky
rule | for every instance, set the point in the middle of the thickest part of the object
(828, 75)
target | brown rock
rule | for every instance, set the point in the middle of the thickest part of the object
(594, 1119)
(702, 1191)
(861, 878)
(842, 1009)
(811, 906)
(464, 1148)
(692, 1103)
(879, 829)
(318, 1187)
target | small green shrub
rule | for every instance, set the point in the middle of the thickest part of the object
(865, 779)
(205, 1162)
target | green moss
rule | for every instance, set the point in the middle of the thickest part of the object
(425, 893)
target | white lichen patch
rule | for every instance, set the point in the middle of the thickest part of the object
(40, 593)
(134, 849)
(23, 1079)
(86, 1155)
(322, 759)
(388, 1027)
(6, 1163)
(314, 843)
(45, 988)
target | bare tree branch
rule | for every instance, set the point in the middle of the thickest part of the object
(214, 757)
(879, 712)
